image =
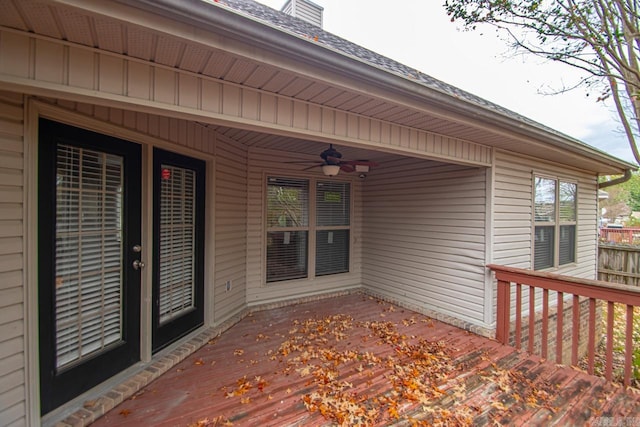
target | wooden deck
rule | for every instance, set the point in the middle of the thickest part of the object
(356, 360)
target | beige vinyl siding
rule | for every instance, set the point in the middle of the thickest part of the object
(424, 236)
(230, 231)
(83, 73)
(261, 165)
(12, 322)
(513, 214)
(229, 192)
(513, 226)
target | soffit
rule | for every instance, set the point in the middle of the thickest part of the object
(87, 28)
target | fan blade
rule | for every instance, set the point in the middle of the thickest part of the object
(302, 161)
(314, 166)
(360, 162)
(346, 167)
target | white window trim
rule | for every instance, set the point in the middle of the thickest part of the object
(312, 228)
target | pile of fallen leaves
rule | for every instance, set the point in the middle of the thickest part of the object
(402, 377)
(341, 375)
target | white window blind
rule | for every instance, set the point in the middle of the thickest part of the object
(555, 215)
(287, 228)
(177, 241)
(88, 252)
(333, 217)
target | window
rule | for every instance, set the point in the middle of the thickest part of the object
(293, 239)
(332, 232)
(555, 216)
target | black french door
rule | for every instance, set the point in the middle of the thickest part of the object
(178, 231)
(89, 245)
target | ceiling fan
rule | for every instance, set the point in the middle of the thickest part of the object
(332, 163)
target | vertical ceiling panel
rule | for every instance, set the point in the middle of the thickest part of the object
(312, 91)
(295, 87)
(194, 58)
(341, 99)
(260, 76)
(326, 95)
(9, 16)
(140, 44)
(168, 51)
(76, 27)
(218, 64)
(41, 20)
(278, 82)
(240, 71)
(355, 102)
(109, 34)
(370, 105)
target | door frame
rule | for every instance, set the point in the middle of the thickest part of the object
(62, 386)
(35, 109)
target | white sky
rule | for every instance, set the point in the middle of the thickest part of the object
(418, 33)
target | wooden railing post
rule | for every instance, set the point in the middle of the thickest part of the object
(503, 314)
(582, 293)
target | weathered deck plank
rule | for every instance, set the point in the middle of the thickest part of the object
(262, 370)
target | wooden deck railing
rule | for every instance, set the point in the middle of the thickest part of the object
(629, 235)
(572, 291)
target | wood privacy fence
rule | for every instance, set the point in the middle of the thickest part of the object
(619, 263)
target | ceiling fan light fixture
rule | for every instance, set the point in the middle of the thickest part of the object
(330, 170)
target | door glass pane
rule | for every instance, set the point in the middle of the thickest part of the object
(177, 241)
(88, 253)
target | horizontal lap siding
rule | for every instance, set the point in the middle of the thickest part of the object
(231, 226)
(12, 322)
(513, 216)
(513, 213)
(424, 236)
(229, 192)
(81, 71)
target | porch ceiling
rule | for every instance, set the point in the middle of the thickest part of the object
(136, 33)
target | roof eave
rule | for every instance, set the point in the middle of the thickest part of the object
(263, 36)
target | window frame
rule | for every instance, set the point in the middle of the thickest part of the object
(557, 223)
(312, 228)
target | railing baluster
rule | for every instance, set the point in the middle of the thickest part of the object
(584, 292)
(532, 317)
(545, 322)
(628, 346)
(591, 346)
(575, 335)
(608, 374)
(559, 327)
(518, 315)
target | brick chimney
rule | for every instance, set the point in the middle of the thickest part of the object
(305, 10)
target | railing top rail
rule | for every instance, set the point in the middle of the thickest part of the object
(556, 282)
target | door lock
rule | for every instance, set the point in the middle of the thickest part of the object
(137, 264)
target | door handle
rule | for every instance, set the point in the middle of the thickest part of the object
(137, 264)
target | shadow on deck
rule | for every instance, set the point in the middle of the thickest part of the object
(355, 359)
